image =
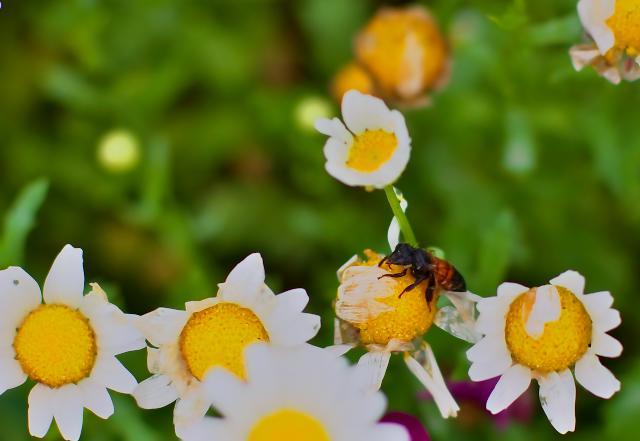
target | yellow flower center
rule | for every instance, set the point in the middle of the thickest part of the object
(562, 342)
(404, 50)
(55, 345)
(350, 77)
(217, 336)
(288, 424)
(625, 24)
(371, 149)
(411, 316)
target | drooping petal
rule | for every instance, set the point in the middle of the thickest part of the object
(513, 383)
(596, 378)
(546, 308)
(371, 367)
(558, 399)
(65, 281)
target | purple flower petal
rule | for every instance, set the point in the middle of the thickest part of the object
(412, 424)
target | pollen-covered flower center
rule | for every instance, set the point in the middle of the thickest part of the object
(55, 345)
(371, 149)
(562, 343)
(625, 25)
(411, 316)
(288, 424)
(217, 336)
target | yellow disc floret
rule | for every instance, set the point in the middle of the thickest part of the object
(55, 345)
(562, 343)
(352, 76)
(625, 25)
(288, 424)
(371, 149)
(404, 51)
(217, 336)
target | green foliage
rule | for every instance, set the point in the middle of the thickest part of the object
(520, 169)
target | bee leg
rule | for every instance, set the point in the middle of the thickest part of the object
(384, 259)
(418, 281)
(431, 289)
(400, 274)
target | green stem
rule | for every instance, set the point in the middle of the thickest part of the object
(405, 226)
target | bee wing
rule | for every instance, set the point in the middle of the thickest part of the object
(459, 320)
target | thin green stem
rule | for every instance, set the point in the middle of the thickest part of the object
(405, 226)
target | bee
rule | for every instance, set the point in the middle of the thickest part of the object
(424, 266)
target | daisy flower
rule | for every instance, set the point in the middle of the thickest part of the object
(66, 344)
(373, 149)
(214, 332)
(614, 27)
(303, 393)
(542, 333)
(405, 53)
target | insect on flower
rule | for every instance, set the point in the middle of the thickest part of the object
(424, 266)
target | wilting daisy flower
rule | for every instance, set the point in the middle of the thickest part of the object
(405, 53)
(67, 345)
(214, 332)
(375, 311)
(302, 393)
(374, 147)
(542, 333)
(614, 27)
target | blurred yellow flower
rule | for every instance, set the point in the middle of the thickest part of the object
(614, 26)
(352, 76)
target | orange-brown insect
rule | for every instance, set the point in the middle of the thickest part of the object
(424, 266)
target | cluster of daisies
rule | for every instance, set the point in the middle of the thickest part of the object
(245, 353)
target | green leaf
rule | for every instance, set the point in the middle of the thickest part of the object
(20, 220)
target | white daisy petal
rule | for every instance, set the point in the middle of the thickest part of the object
(572, 280)
(606, 346)
(372, 366)
(244, 280)
(596, 378)
(558, 399)
(513, 383)
(490, 358)
(362, 112)
(190, 408)
(162, 326)
(597, 302)
(68, 410)
(19, 294)
(389, 432)
(112, 374)
(225, 391)
(41, 405)
(607, 320)
(65, 281)
(206, 430)
(155, 392)
(593, 14)
(546, 308)
(444, 401)
(11, 373)
(511, 290)
(338, 350)
(335, 129)
(294, 300)
(96, 398)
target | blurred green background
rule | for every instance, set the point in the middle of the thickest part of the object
(521, 169)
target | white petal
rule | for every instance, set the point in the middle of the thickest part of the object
(109, 372)
(65, 281)
(597, 302)
(558, 399)
(444, 401)
(294, 300)
(11, 374)
(389, 432)
(41, 407)
(583, 55)
(606, 321)
(593, 14)
(572, 280)
(155, 392)
(338, 350)
(244, 281)
(96, 398)
(334, 128)
(596, 378)
(68, 410)
(604, 345)
(511, 290)
(511, 385)
(490, 358)
(162, 326)
(190, 408)
(361, 112)
(19, 294)
(371, 369)
(208, 429)
(546, 308)
(225, 390)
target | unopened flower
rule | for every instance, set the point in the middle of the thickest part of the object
(375, 311)
(301, 393)
(214, 333)
(405, 53)
(67, 345)
(352, 76)
(542, 333)
(374, 147)
(614, 27)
